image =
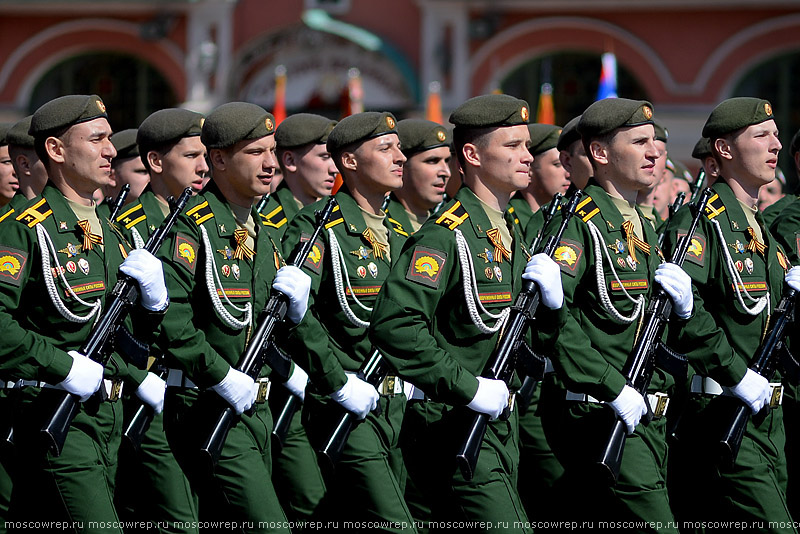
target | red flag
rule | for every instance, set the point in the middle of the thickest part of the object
(545, 112)
(353, 104)
(279, 109)
(433, 107)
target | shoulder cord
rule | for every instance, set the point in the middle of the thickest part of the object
(138, 242)
(46, 246)
(738, 285)
(471, 295)
(599, 249)
(211, 277)
(337, 260)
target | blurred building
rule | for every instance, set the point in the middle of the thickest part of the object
(141, 55)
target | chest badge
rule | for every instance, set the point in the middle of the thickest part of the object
(227, 252)
(498, 272)
(71, 267)
(362, 253)
(236, 271)
(489, 273)
(373, 269)
(631, 262)
(62, 225)
(362, 271)
(738, 247)
(71, 250)
(739, 265)
(226, 270)
(621, 262)
(617, 246)
(748, 264)
(83, 265)
(486, 255)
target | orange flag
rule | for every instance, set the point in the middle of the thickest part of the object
(433, 107)
(545, 112)
(353, 105)
(279, 109)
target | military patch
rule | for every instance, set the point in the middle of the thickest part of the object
(234, 293)
(453, 217)
(426, 266)
(750, 287)
(35, 214)
(336, 218)
(629, 285)
(88, 287)
(274, 219)
(714, 207)
(200, 213)
(397, 227)
(12, 262)
(363, 291)
(502, 296)
(697, 248)
(315, 257)
(567, 255)
(587, 209)
(186, 252)
(132, 217)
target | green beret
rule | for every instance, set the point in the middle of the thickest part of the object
(569, 134)
(794, 146)
(736, 113)
(168, 125)
(543, 137)
(18, 134)
(4, 128)
(419, 135)
(491, 110)
(360, 127)
(234, 122)
(605, 116)
(65, 111)
(661, 133)
(125, 143)
(303, 129)
(702, 149)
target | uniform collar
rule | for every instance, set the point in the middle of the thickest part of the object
(223, 216)
(736, 216)
(397, 212)
(287, 200)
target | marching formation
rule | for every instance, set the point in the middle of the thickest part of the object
(223, 319)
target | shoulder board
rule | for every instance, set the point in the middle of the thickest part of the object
(275, 219)
(6, 214)
(453, 217)
(397, 227)
(131, 217)
(336, 218)
(586, 209)
(200, 213)
(714, 207)
(35, 214)
(511, 212)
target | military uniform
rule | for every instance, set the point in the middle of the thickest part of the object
(281, 208)
(397, 215)
(773, 211)
(521, 212)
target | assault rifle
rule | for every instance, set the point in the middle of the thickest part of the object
(673, 209)
(143, 416)
(262, 203)
(503, 362)
(638, 370)
(119, 202)
(255, 356)
(698, 185)
(100, 343)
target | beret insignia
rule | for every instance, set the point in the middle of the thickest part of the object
(767, 108)
(268, 124)
(440, 135)
(648, 113)
(390, 122)
(100, 106)
(524, 113)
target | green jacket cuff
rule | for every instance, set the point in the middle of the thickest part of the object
(732, 374)
(58, 369)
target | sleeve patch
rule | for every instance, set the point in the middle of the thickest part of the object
(185, 252)
(697, 248)
(12, 262)
(426, 266)
(314, 259)
(568, 255)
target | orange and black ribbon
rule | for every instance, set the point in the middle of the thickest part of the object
(89, 239)
(754, 245)
(500, 251)
(378, 248)
(242, 250)
(633, 240)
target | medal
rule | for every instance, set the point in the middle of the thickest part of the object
(617, 246)
(489, 273)
(362, 252)
(373, 269)
(739, 265)
(486, 256)
(748, 264)
(498, 273)
(84, 265)
(362, 271)
(226, 271)
(235, 270)
(71, 267)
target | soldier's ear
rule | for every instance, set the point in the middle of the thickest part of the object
(566, 161)
(217, 158)
(599, 152)
(472, 154)
(288, 161)
(349, 160)
(723, 148)
(155, 162)
(55, 149)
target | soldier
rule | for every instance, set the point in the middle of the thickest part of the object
(219, 266)
(350, 261)
(29, 169)
(127, 167)
(438, 316)
(771, 212)
(702, 152)
(738, 271)
(573, 156)
(609, 261)
(60, 260)
(8, 178)
(653, 200)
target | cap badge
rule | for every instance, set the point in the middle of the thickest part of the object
(767, 108)
(390, 122)
(202, 121)
(440, 135)
(100, 105)
(268, 124)
(524, 113)
(648, 113)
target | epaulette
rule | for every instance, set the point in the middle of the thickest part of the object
(200, 213)
(511, 212)
(336, 218)
(714, 207)
(587, 209)
(453, 217)
(275, 219)
(132, 216)
(397, 227)
(35, 214)
(6, 214)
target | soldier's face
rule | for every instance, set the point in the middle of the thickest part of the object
(505, 160)
(185, 165)
(86, 154)
(8, 178)
(132, 172)
(316, 170)
(379, 163)
(754, 153)
(631, 156)
(661, 161)
(577, 164)
(250, 166)
(548, 176)
(425, 177)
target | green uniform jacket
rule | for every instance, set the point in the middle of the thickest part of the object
(521, 212)
(397, 216)
(421, 322)
(144, 216)
(17, 204)
(327, 343)
(193, 334)
(593, 347)
(776, 209)
(722, 338)
(36, 337)
(281, 208)
(785, 227)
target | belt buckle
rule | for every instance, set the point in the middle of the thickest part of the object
(776, 397)
(389, 386)
(658, 404)
(115, 390)
(264, 385)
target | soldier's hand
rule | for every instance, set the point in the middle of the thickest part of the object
(295, 284)
(84, 378)
(146, 269)
(297, 382)
(630, 406)
(491, 397)
(545, 272)
(793, 278)
(753, 389)
(357, 396)
(151, 391)
(678, 286)
(238, 389)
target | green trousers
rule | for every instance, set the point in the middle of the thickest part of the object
(240, 487)
(366, 485)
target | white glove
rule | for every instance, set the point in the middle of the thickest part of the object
(238, 389)
(357, 396)
(491, 397)
(545, 272)
(297, 382)
(678, 286)
(295, 284)
(793, 278)
(84, 378)
(146, 269)
(151, 391)
(753, 389)
(630, 406)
